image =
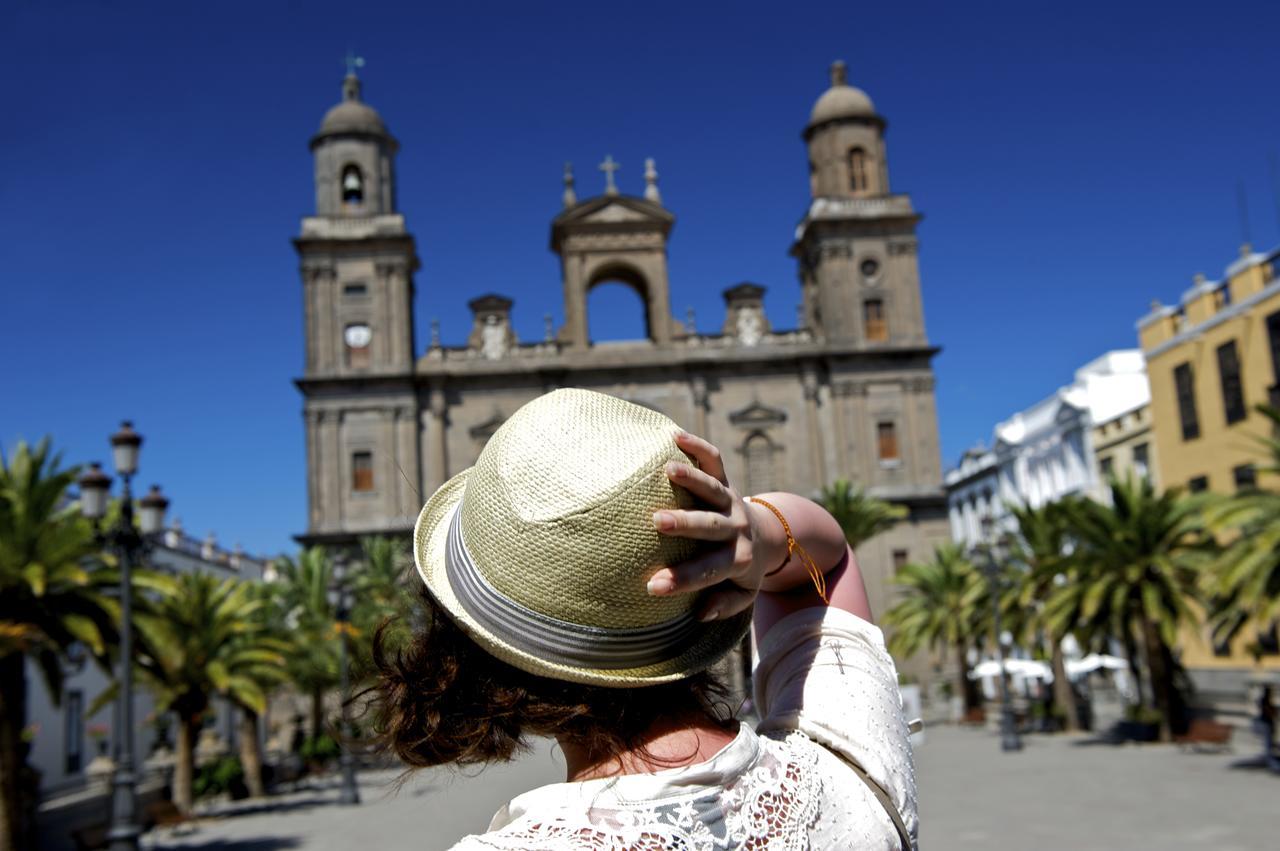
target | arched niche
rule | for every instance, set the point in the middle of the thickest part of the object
(615, 275)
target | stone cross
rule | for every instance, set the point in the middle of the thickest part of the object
(609, 167)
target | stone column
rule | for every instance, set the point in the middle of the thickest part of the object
(390, 490)
(839, 400)
(334, 495)
(439, 459)
(809, 381)
(700, 403)
(408, 498)
(312, 425)
(860, 423)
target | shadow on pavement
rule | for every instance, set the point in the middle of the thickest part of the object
(265, 843)
(1254, 763)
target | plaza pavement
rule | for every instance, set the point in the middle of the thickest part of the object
(1062, 792)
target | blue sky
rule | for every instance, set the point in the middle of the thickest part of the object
(1073, 162)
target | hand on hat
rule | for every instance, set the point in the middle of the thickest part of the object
(733, 572)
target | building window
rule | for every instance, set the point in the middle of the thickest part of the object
(1246, 476)
(352, 185)
(73, 735)
(899, 559)
(887, 442)
(1273, 336)
(1232, 391)
(877, 328)
(1142, 460)
(1184, 383)
(1198, 484)
(357, 338)
(758, 452)
(350, 290)
(1107, 465)
(858, 181)
(362, 471)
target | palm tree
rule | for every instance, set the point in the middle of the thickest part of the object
(1139, 562)
(943, 607)
(1244, 582)
(204, 638)
(380, 588)
(53, 594)
(302, 586)
(862, 517)
(269, 632)
(1041, 546)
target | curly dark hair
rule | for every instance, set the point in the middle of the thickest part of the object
(439, 699)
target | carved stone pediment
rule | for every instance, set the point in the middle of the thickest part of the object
(758, 415)
(615, 213)
(611, 213)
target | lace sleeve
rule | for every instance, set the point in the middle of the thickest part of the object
(826, 672)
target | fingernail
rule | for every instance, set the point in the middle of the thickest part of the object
(660, 583)
(676, 470)
(710, 615)
(664, 521)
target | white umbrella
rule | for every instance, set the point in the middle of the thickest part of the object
(1017, 667)
(1094, 662)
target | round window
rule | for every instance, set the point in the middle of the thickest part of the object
(870, 267)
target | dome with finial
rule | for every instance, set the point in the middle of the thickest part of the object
(352, 115)
(841, 100)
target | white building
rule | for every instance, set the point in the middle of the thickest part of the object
(62, 745)
(1046, 451)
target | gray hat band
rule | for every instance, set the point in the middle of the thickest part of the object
(551, 639)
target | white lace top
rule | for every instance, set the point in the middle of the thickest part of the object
(824, 681)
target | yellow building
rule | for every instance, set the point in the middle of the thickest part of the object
(1210, 360)
(1122, 446)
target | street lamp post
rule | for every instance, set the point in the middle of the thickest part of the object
(350, 792)
(1009, 738)
(129, 542)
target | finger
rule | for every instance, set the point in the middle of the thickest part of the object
(698, 483)
(699, 525)
(725, 601)
(707, 456)
(695, 574)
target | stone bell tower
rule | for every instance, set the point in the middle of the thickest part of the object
(357, 264)
(857, 243)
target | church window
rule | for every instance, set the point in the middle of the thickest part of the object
(759, 457)
(870, 267)
(1184, 383)
(858, 181)
(351, 290)
(874, 322)
(900, 558)
(357, 339)
(1273, 338)
(362, 471)
(887, 441)
(1232, 389)
(352, 185)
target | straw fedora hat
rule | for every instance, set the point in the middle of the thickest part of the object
(541, 552)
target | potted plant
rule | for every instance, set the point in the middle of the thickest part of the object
(1140, 724)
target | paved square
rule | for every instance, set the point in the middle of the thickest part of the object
(1059, 793)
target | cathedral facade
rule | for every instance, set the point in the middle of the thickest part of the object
(848, 393)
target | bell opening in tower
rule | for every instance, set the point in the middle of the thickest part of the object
(352, 186)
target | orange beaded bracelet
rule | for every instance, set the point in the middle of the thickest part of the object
(794, 549)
